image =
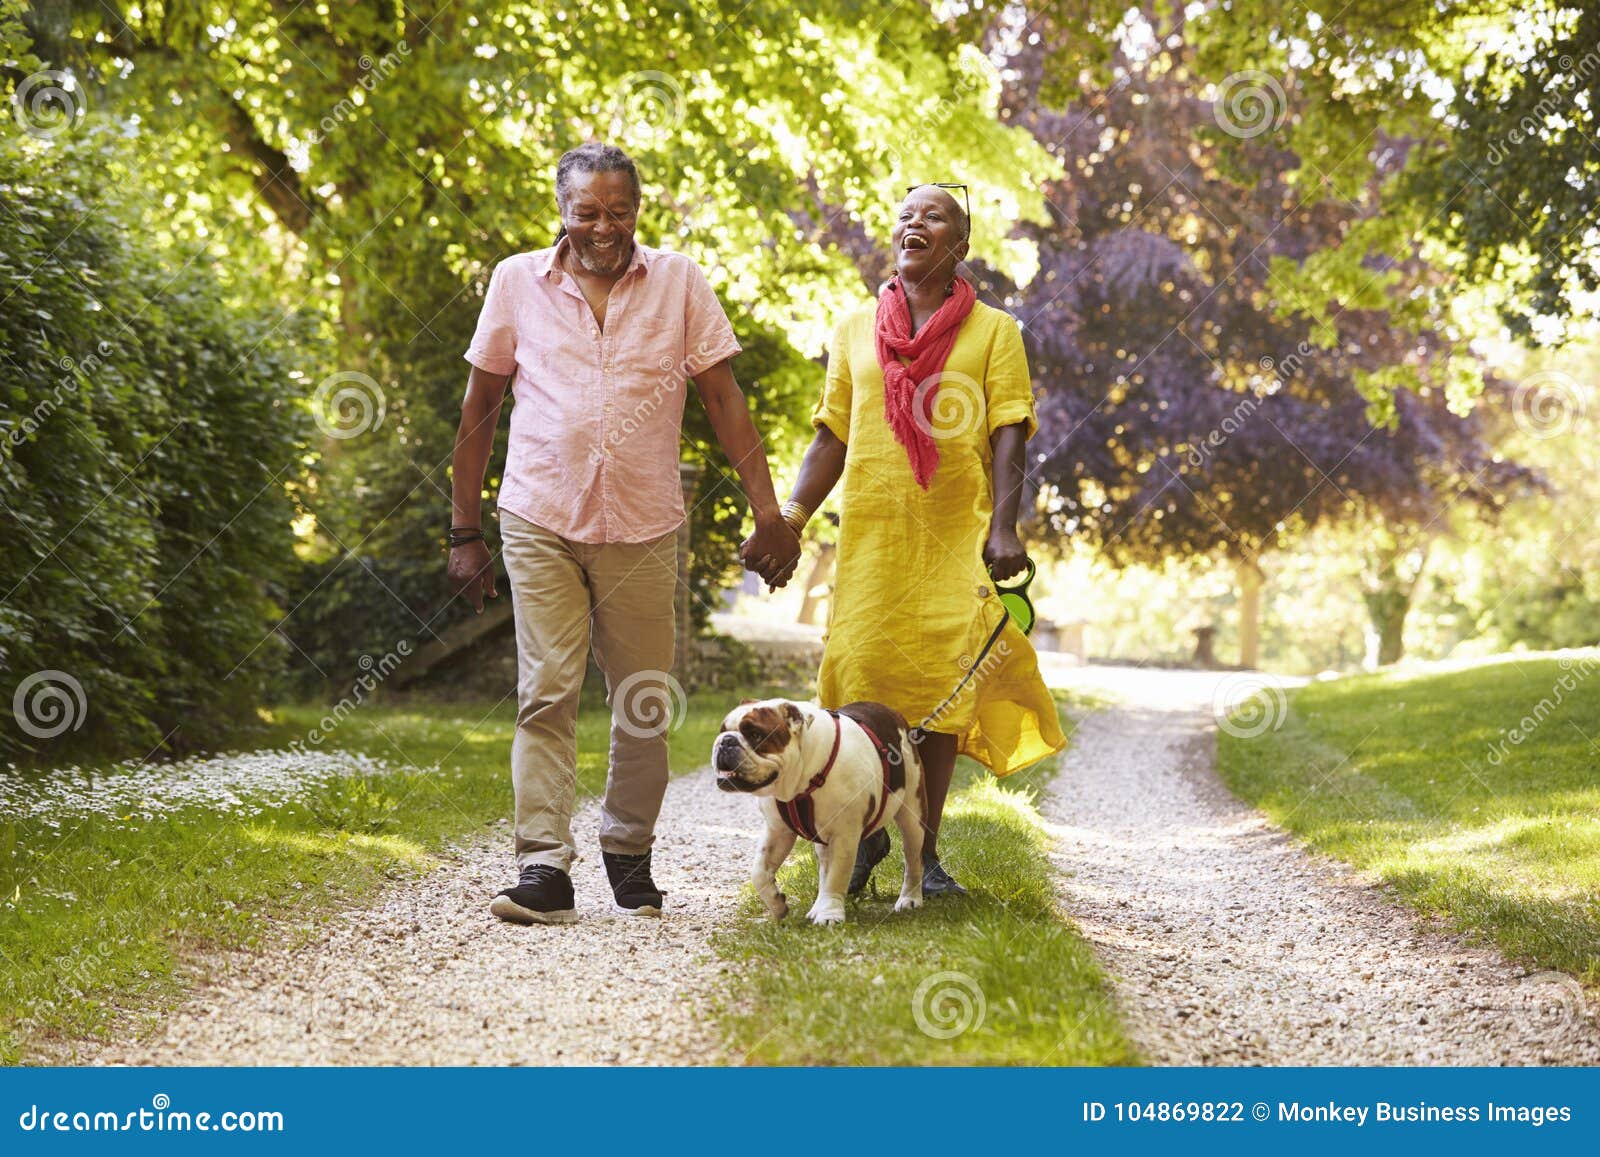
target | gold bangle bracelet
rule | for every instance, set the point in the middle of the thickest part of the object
(795, 515)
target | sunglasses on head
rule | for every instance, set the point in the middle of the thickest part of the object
(966, 201)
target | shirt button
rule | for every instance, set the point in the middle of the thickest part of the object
(983, 592)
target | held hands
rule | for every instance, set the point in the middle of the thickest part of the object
(1004, 555)
(773, 551)
(471, 573)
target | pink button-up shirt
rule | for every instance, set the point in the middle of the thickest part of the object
(597, 415)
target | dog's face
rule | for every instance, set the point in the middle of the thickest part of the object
(759, 741)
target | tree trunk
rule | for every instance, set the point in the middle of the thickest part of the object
(1393, 571)
(821, 574)
(1386, 634)
(1250, 579)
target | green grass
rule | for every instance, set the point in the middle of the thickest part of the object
(849, 994)
(96, 917)
(1475, 792)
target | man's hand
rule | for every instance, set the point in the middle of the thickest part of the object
(1004, 554)
(772, 551)
(472, 573)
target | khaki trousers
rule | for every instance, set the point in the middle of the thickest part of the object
(565, 596)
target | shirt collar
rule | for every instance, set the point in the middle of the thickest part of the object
(546, 262)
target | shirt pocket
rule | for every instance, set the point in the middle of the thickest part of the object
(651, 346)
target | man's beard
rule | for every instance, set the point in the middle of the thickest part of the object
(601, 263)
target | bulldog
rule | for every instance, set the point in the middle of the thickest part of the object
(832, 777)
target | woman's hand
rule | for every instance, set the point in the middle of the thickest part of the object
(1003, 554)
(471, 573)
(772, 551)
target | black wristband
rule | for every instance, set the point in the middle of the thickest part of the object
(464, 535)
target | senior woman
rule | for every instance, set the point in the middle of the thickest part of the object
(925, 413)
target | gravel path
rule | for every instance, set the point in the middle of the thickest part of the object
(425, 976)
(1231, 945)
(1228, 944)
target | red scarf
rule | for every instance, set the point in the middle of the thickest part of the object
(910, 416)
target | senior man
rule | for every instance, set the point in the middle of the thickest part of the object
(597, 337)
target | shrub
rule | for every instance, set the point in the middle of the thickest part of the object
(149, 434)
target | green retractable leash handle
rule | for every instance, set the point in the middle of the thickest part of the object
(1016, 599)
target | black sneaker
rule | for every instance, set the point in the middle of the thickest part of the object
(936, 881)
(633, 891)
(543, 895)
(869, 853)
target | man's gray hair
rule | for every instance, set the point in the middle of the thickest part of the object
(593, 157)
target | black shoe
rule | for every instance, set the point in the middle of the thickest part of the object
(869, 853)
(543, 895)
(936, 881)
(633, 891)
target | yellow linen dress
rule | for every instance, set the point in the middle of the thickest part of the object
(913, 603)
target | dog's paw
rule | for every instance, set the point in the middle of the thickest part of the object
(779, 908)
(907, 903)
(826, 913)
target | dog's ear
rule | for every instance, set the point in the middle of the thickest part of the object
(798, 720)
(747, 702)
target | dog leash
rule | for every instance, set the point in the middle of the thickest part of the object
(1019, 607)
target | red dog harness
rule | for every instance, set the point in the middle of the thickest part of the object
(799, 813)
